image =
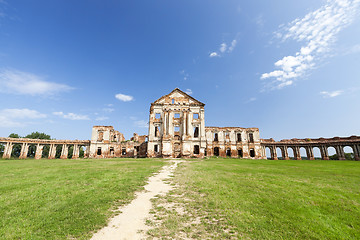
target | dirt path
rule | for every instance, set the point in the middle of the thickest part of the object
(130, 224)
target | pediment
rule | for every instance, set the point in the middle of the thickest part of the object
(179, 97)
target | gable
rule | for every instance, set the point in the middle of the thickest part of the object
(179, 97)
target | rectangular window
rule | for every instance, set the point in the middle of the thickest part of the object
(123, 152)
(156, 148)
(216, 137)
(239, 137)
(176, 129)
(251, 137)
(227, 135)
(196, 116)
(157, 131)
(99, 151)
(157, 115)
(196, 132)
(196, 149)
(177, 115)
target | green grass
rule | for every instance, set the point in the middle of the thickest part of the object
(64, 199)
(262, 199)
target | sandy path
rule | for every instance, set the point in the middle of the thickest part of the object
(130, 224)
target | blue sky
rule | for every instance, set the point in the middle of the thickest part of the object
(290, 68)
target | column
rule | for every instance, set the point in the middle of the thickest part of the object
(324, 153)
(8, 150)
(184, 124)
(64, 151)
(297, 154)
(356, 152)
(52, 151)
(165, 127)
(24, 151)
(76, 151)
(340, 152)
(274, 153)
(87, 152)
(285, 153)
(310, 153)
(189, 117)
(39, 150)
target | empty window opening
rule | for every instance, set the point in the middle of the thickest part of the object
(136, 148)
(196, 149)
(156, 148)
(111, 151)
(252, 152)
(172, 101)
(239, 137)
(196, 132)
(240, 153)
(216, 151)
(157, 131)
(251, 137)
(177, 115)
(146, 139)
(99, 151)
(157, 115)
(196, 116)
(205, 152)
(228, 152)
(216, 137)
(114, 138)
(176, 129)
(123, 152)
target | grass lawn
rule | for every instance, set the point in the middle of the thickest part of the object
(64, 199)
(262, 199)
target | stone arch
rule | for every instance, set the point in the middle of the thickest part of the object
(331, 150)
(291, 152)
(303, 153)
(240, 153)
(349, 153)
(268, 152)
(46, 151)
(317, 153)
(279, 153)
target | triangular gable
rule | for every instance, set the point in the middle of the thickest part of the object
(177, 94)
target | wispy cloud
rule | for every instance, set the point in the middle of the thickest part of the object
(18, 82)
(332, 94)
(11, 117)
(184, 74)
(71, 116)
(251, 100)
(123, 97)
(224, 48)
(101, 118)
(141, 124)
(318, 31)
(188, 91)
(108, 110)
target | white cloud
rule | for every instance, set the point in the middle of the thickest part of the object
(233, 45)
(10, 117)
(142, 124)
(318, 30)
(124, 98)
(332, 94)
(71, 116)
(18, 82)
(223, 47)
(214, 54)
(101, 118)
(188, 91)
(108, 110)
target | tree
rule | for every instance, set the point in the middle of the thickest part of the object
(17, 147)
(32, 148)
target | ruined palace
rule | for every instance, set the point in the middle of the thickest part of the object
(177, 129)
